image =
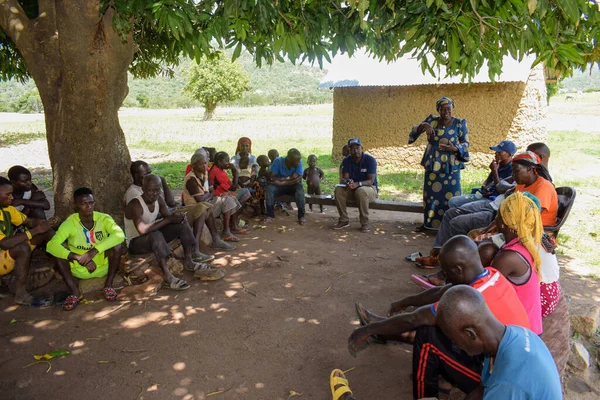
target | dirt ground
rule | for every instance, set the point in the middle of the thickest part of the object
(270, 327)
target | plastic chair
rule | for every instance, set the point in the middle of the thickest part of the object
(566, 197)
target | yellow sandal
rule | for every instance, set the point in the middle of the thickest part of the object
(340, 379)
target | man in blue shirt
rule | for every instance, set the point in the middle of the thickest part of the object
(517, 363)
(500, 169)
(286, 178)
(359, 183)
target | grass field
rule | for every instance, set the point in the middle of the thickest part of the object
(175, 134)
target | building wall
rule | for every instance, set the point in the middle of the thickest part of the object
(382, 117)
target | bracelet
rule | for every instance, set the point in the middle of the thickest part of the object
(28, 234)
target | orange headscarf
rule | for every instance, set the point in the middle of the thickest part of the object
(240, 142)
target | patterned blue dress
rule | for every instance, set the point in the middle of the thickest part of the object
(442, 168)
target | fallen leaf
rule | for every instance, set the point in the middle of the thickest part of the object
(52, 354)
(327, 290)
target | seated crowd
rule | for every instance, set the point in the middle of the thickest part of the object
(478, 326)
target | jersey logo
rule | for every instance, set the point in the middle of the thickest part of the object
(89, 236)
(99, 236)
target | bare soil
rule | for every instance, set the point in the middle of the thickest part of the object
(279, 321)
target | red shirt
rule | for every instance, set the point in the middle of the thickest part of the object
(500, 297)
(219, 180)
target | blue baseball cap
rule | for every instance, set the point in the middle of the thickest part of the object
(507, 146)
(354, 141)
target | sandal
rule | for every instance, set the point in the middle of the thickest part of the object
(231, 238)
(361, 314)
(71, 303)
(242, 231)
(202, 258)
(337, 378)
(110, 294)
(177, 284)
(427, 262)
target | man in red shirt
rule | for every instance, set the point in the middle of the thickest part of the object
(433, 352)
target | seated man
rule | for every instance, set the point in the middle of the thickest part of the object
(286, 178)
(149, 227)
(433, 352)
(517, 363)
(15, 246)
(93, 247)
(196, 214)
(500, 169)
(27, 198)
(139, 169)
(359, 174)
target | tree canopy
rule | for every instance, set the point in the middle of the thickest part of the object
(216, 80)
(460, 35)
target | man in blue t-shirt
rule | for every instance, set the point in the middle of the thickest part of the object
(500, 170)
(286, 178)
(359, 183)
(517, 363)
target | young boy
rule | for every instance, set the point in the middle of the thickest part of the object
(345, 153)
(313, 176)
(273, 154)
(16, 247)
(93, 247)
(27, 198)
(264, 173)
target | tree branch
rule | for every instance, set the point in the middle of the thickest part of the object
(14, 22)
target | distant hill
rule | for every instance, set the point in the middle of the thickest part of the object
(584, 81)
(279, 84)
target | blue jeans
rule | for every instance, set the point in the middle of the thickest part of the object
(459, 201)
(273, 191)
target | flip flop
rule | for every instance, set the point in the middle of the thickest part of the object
(362, 318)
(422, 281)
(231, 238)
(413, 257)
(40, 302)
(223, 245)
(337, 378)
(202, 258)
(239, 231)
(110, 294)
(71, 303)
(177, 284)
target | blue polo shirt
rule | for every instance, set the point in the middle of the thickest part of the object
(359, 171)
(523, 369)
(281, 171)
(504, 173)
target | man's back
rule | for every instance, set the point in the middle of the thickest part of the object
(523, 369)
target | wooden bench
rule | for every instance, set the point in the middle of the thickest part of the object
(385, 205)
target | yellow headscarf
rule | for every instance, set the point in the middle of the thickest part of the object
(523, 216)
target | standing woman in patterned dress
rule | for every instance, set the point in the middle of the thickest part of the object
(447, 151)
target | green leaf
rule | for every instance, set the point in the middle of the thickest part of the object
(531, 6)
(570, 9)
(237, 51)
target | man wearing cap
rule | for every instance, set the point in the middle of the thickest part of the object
(500, 169)
(359, 183)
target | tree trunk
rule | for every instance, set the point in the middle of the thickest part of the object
(209, 110)
(79, 66)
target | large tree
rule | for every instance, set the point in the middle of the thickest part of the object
(78, 53)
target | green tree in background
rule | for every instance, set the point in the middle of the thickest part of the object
(142, 100)
(79, 52)
(216, 80)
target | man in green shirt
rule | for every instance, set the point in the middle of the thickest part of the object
(94, 247)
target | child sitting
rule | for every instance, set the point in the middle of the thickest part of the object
(245, 177)
(312, 176)
(273, 154)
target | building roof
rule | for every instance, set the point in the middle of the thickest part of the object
(360, 70)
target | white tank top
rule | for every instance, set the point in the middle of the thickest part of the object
(26, 196)
(148, 217)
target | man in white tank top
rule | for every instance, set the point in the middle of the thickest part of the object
(149, 227)
(27, 198)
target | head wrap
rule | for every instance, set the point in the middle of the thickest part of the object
(522, 215)
(240, 142)
(443, 101)
(530, 159)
